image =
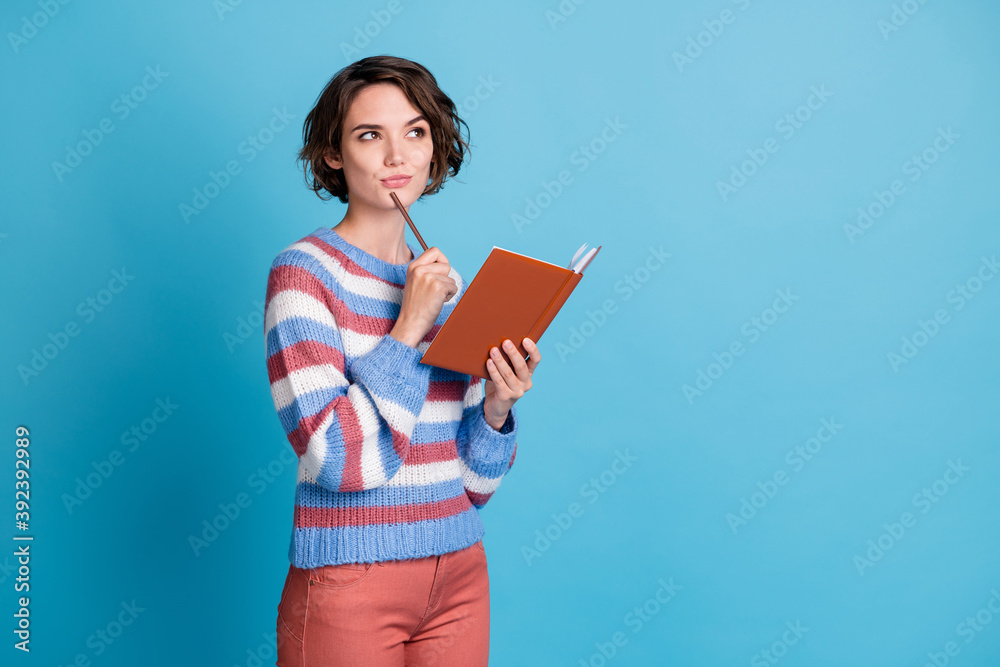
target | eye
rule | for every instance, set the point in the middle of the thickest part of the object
(363, 134)
(421, 130)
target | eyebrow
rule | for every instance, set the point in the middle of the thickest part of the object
(368, 126)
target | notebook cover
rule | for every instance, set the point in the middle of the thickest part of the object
(512, 296)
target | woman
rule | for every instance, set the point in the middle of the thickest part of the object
(387, 565)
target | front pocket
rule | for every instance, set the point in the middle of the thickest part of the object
(294, 601)
(339, 576)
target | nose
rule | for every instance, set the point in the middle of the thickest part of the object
(393, 152)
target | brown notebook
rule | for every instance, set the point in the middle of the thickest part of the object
(512, 296)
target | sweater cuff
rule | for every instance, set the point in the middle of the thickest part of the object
(392, 364)
(492, 449)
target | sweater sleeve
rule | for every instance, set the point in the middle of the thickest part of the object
(349, 435)
(485, 454)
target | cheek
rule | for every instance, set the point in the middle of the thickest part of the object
(422, 155)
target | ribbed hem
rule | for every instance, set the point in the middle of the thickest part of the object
(315, 547)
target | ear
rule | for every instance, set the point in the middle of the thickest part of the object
(333, 160)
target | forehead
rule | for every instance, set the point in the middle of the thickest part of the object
(381, 103)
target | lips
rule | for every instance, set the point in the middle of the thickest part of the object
(396, 181)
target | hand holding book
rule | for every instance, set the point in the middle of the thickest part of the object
(512, 297)
(508, 384)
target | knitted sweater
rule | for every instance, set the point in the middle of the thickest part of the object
(395, 456)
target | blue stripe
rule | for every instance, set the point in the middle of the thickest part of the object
(297, 329)
(363, 305)
(427, 432)
(293, 257)
(307, 405)
(360, 304)
(315, 547)
(308, 494)
(491, 445)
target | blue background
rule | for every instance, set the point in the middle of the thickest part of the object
(187, 328)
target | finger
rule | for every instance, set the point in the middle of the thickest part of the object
(449, 285)
(534, 354)
(435, 268)
(431, 255)
(520, 367)
(494, 372)
(505, 371)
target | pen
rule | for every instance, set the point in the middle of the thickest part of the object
(402, 210)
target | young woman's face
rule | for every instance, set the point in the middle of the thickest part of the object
(384, 136)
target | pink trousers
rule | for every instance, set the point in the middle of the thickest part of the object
(412, 613)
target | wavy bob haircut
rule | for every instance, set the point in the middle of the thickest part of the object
(323, 127)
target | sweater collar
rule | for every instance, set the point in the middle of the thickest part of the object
(371, 263)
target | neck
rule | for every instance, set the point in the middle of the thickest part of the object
(378, 232)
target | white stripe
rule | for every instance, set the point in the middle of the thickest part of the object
(477, 484)
(307, 379)
(290, 303)
(304, 475)
(440, 412)
(474, 393)
(315, 454)
(372, 470)
(363, 286)
(358, 285)
(426, 473)
(358, 343)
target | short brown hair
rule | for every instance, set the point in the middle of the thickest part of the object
(323, 127)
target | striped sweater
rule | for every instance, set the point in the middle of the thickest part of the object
(395, 457)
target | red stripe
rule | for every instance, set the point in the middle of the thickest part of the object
(350, 266)
(299, 278)
(434, 452)
(447, 391)
(478, 498)
(481, 498)
(351, 432)
(299, 437)
(368, 325)
(337, 517)
(303, 354)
